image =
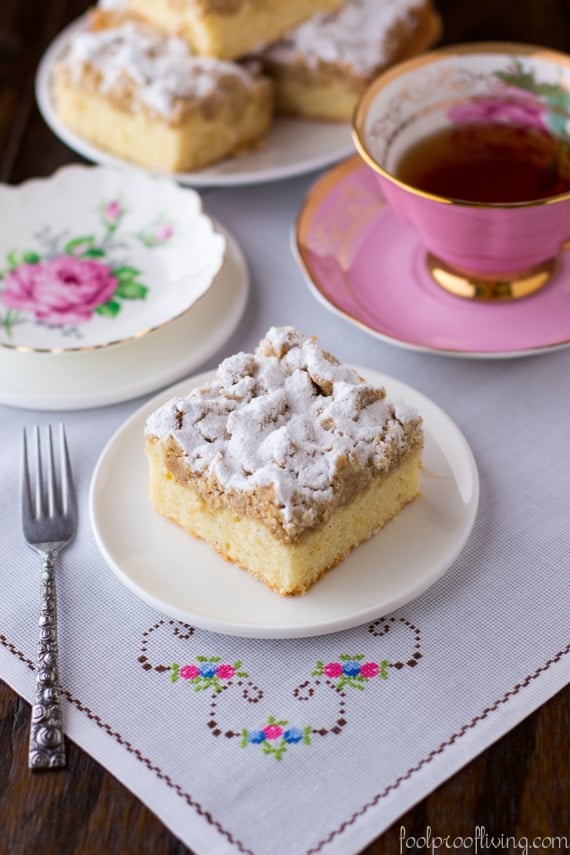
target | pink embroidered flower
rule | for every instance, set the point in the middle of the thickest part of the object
(517, 109)
(370, 670)
(189, 672)
(333, 669)
(113, 211)
(273, 731)
(225, 672)
(63, 290)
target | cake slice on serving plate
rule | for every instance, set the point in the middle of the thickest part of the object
(285, 461)
(226, 28)
(321, 68)
(144, 97)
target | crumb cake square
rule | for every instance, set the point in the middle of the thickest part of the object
(144, 97)
(227, 29)
(285, 461)
(321, 68)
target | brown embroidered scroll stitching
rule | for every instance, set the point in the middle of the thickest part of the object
(13, 649)
(517, 688)
(439, 750)
(182, 630)
(383, 625)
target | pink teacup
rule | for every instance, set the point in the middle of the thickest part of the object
(476, 249)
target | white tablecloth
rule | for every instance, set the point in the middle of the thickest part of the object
(282, 760)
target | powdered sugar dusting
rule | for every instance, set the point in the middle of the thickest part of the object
(288, 417)
(356, 36)
(160, 70)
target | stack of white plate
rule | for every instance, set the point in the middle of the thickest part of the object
(113, 283)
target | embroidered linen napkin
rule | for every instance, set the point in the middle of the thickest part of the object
(281, 747)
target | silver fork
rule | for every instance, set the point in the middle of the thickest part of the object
(49, 519)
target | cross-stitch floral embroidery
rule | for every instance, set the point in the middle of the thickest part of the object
(210, 673)
(276, 736)
(352, 671)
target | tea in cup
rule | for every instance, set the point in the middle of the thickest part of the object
(471, 146)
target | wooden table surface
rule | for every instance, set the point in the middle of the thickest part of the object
(519, 787)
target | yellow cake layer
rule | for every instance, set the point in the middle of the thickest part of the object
(288, 568)
(230, 29)
(198, 140)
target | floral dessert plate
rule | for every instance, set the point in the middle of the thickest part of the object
(293, 146)
(183, 578)
(96, 256)
(75, 380)
(367, 266)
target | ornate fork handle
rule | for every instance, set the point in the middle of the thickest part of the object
(47, 747)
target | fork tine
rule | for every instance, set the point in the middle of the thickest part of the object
(51, 485)
(39, 504)
(67, 487)
(27, 507)
(46, 489)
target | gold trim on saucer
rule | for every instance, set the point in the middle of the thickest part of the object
(498, 288)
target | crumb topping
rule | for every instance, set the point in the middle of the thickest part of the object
(356, 36)
(141, 67)
(287, 429)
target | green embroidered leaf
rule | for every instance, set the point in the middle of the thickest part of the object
(244, 740)
(128, 289)
(74, 244)
(174, 668)
(109, 310)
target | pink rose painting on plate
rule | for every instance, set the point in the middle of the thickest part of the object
(64, 282)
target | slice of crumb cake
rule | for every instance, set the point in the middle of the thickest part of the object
(143, 96)
(284, 461)
(321, 68)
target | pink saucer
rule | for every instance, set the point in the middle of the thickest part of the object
(365, 264)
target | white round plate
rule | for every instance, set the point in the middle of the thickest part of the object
(93, 378)
(96, 256)
(293, 146)
(186, 580)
